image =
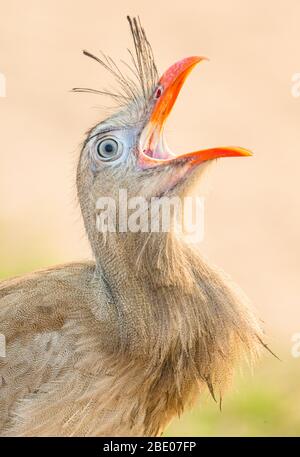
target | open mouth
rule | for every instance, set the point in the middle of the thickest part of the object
(153, 149)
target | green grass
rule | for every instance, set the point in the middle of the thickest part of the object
(266, 403)
(22, 256)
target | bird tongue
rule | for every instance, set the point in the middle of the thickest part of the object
(153, 149)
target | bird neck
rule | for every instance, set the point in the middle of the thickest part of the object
(150, 259)
(158, 289)
(168, 318)
(144, 275)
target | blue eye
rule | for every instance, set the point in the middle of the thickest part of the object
(108, 149)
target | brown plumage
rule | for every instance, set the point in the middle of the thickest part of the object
(120, 345)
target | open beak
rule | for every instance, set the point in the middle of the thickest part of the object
(153, 150)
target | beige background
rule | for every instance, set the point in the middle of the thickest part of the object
(242, 96)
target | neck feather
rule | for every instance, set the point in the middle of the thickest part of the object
(170, 305)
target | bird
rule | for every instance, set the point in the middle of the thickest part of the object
(123, 343)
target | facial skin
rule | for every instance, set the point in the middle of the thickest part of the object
(112, 155)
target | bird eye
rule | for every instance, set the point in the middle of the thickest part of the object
(109, 149)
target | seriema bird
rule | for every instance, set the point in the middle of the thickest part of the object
(122, 344)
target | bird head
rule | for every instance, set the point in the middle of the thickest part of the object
(128, 150)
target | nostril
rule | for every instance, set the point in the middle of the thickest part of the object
(158, 92)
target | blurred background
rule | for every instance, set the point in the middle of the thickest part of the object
(241, 96)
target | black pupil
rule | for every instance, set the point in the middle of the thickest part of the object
(108, 147)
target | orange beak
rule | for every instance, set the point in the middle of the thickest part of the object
(153, 150)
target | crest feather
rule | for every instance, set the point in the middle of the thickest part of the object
(137, 88)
